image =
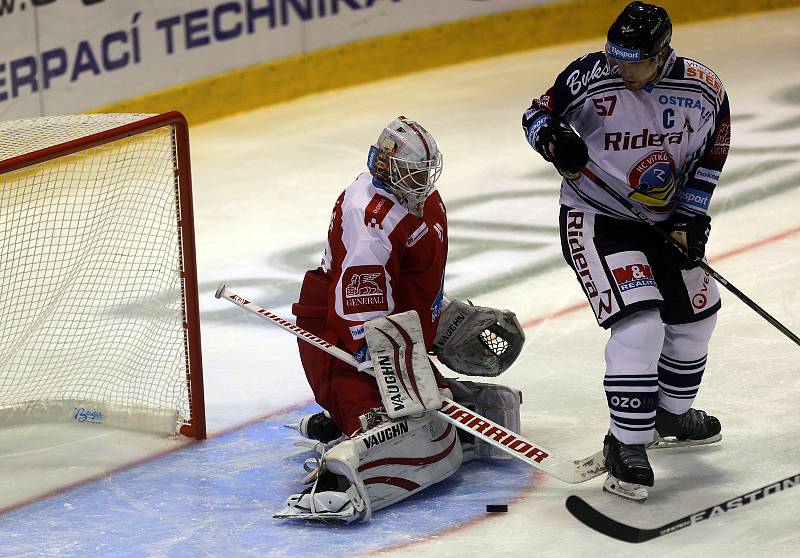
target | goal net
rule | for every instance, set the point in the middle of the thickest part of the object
(99, 320)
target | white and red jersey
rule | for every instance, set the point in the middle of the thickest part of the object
(381, 260)
(670, 140)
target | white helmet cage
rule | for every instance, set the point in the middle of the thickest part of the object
(408, 160)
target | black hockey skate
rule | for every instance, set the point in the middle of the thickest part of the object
(629, 470)
(318, 427)
(692, 428)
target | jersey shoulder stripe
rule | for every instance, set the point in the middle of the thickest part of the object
(687, 84)
(690, 71)
(376, 211)
(370, 208)
(682, 86)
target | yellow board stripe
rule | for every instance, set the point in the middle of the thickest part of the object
(413, 51)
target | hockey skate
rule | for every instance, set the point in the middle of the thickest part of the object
(336, 493)
(629, 471)
(331, 498)
(318, 426)
(692, 428)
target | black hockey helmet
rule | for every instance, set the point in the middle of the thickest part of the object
(639, 32)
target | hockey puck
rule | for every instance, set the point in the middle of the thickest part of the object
(494, 508)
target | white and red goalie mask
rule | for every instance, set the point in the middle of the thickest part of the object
(407, 159)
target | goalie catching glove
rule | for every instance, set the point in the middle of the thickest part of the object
(477, 340)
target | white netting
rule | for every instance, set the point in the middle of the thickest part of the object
(18, 137)
(91, 303)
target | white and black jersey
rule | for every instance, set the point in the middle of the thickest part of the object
(668, 141)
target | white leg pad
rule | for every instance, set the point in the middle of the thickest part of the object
(402, 369)
(399, 459)
(378, 468)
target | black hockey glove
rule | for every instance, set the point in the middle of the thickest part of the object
(558, 143)
(694, 229)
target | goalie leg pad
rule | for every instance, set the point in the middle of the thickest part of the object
(495, 402)
(400, 458)
(402, 369)
(376, 469)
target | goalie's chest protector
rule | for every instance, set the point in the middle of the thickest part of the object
(375, 245)
(422, 244)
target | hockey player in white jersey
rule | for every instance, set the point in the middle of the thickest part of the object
(655, 127)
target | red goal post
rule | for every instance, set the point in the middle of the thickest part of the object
(99, 317)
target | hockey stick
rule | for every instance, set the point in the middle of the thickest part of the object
(590, 517)
(644, 218)
(530, 452)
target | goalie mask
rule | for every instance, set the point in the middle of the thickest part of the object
(407, 160)
(476, 340)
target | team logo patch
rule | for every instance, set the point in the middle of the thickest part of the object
(699, 301)
(546, 102)
(357, 332)
(364, 289)
(702, 290)
(653, 180)
(695, 198)
(634, 276)
(722, 140)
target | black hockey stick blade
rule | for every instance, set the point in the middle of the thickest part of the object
(590, 517)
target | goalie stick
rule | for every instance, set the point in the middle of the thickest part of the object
(630, 206)
(530, 452)
(590, 517)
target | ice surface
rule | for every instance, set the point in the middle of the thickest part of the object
(265, 183)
